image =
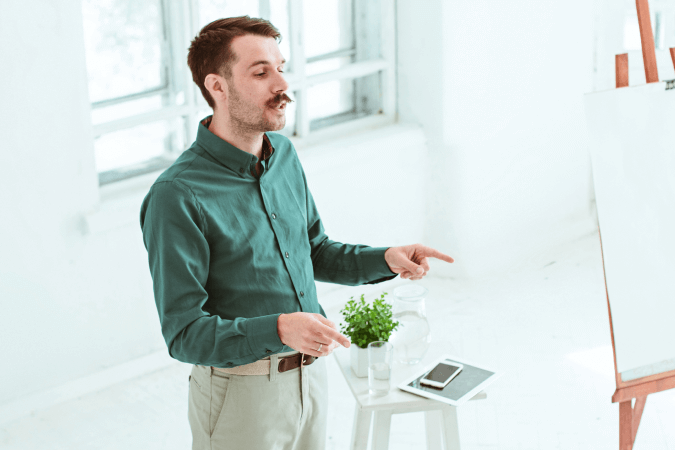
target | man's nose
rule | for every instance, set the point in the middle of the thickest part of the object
(280, 83)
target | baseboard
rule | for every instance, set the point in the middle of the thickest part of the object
(26, 405)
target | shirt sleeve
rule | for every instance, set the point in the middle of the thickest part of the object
(174, 234)
(345, 264)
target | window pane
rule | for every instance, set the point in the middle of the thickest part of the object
(328, 99)
(279, 18)
(343, 100)
(328, 26)
(135, 145)
(123, 46)
(328, 65)
(210, 10)
(126, 109)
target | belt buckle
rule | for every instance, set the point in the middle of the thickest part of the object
(309, 359)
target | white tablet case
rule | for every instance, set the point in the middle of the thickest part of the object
(469, 382)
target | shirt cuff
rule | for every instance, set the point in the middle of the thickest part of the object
(384, 279)
(375, 266)
(263, 338)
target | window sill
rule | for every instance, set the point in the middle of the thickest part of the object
(120, 202)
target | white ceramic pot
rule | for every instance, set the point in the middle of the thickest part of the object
(359, 360)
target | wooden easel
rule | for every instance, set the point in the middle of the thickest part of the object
(636, 389)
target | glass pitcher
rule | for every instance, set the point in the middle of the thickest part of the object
(412, 338)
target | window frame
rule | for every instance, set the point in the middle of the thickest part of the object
(181, 24)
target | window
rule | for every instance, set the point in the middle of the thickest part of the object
(145, 106)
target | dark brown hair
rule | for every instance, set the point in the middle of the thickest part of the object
(210, 51)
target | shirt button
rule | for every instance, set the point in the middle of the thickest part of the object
(286, 254)
(274, 216)
(241, 170)
(302, 294)
(229, 363)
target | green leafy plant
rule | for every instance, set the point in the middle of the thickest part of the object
(366, 324)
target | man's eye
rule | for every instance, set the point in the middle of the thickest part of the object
(263, 73)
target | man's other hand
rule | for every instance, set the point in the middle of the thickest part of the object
(304, 332)
(411, 261)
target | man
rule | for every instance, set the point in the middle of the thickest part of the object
(235, 243)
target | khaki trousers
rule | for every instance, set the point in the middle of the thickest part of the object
(286, 410)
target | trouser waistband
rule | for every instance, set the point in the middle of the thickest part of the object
(286, 361)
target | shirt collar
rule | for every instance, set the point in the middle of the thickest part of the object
(227, 154)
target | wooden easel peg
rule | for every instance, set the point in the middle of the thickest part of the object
(647, 38)
(622, 70)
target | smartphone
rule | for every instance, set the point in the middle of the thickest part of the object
(442, 373)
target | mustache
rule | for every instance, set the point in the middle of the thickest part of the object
(278, 99)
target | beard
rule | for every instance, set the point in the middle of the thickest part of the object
(249, 118)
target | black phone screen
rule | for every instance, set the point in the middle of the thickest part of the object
(441, 372)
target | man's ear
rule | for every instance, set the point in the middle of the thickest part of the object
(217, 87)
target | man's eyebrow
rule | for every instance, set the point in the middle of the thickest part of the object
(265, 62)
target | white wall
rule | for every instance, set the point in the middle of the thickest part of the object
(74, 282)
(498, 86)
(73, 303)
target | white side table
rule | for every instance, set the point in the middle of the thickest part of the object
(440, 418)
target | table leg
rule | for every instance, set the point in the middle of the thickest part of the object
(450, 429)
(360, 428)
(432, 424)
(381, 429)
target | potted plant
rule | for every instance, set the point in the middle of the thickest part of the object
(365, 325)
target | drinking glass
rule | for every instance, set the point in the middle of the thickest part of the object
(380, 359)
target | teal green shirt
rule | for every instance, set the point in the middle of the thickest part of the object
(230, 252)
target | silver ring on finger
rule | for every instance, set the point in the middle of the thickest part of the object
(320, 344)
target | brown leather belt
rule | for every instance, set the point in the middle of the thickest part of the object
(262, 366)
(292, 362)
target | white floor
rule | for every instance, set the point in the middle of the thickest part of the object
(543, 323)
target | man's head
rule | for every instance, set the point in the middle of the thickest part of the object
(237, 65)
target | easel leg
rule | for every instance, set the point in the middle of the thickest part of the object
(625, 425)
(629, 421)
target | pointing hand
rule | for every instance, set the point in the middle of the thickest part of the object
(411, 261)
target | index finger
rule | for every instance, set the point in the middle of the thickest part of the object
(439, 255)
(337, 336)
(325, 320)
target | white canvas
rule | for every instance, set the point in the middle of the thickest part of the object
(632, 145)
